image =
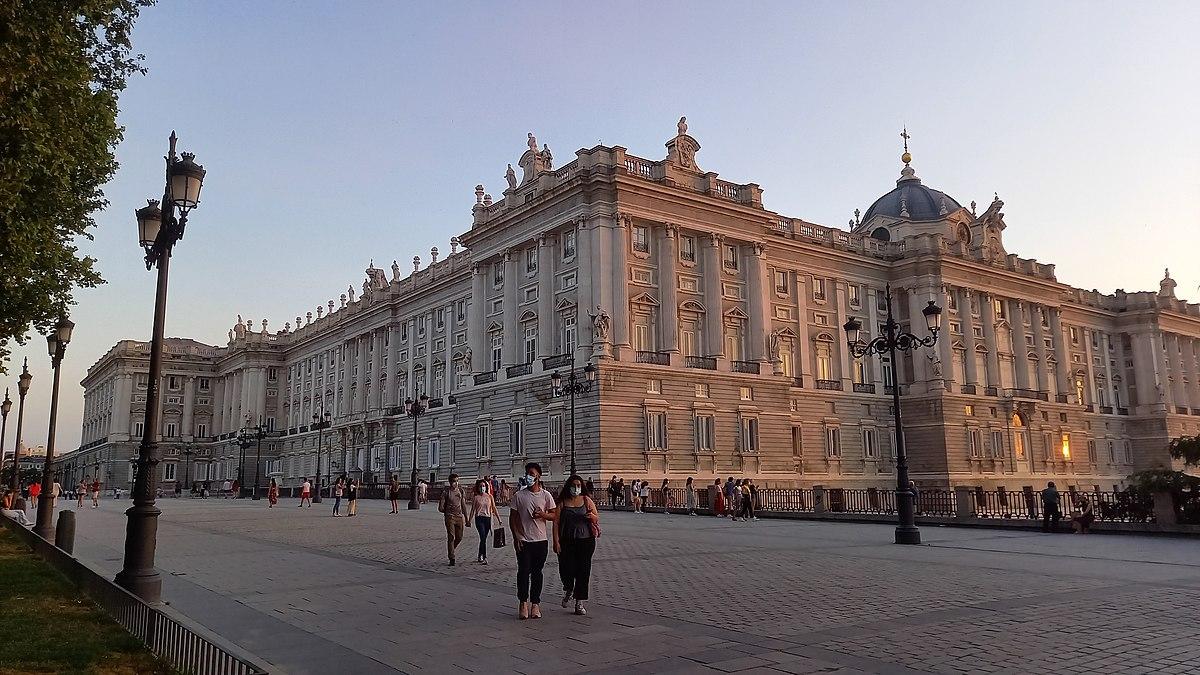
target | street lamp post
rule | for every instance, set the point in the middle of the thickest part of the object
(414, 409)
(260, 432)
(56, 343)
(158, 231)
(5, 408)
(572, 387)
(321, 422)
(187, 466)
(894, 339)
(245, 439)
(22, 389)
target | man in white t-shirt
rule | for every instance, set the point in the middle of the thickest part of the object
(305, 494)
(531, 509)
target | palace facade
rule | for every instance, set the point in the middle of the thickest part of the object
(715, 326)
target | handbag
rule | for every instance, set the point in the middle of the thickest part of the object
(498, 538)
(595, 527)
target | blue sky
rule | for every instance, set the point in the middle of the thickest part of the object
(334, 133)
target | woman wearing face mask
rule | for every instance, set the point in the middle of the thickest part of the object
(575, 541)
(483, 509)
(352, 497)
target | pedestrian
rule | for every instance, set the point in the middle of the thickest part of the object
(495, 485)
(1051, 513)
(643, 495)
(635, 495)
(35, 490)
(273, 494)
(80, 491)
(352, 497)
(483, 510)
(96, 492)
(690, 496)
(613, 497)
(753, 499)
(453, 507)
(502, 495)
(732, 498)
(226, 488)
(1082, 521)
(423, 491)
(718, 499)
(744, 512)
(667, 499)
(916, 496)
(56, 490)
(305, 492)
(591, 487)
(531, 509)
(236, 488)
(337, 497)
(576, 523)
(394, 493)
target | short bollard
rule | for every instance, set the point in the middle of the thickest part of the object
(64, 533)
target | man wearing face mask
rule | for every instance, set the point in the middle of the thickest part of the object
(453, 504)
(531, 509)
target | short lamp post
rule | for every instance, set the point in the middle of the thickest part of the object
(893, 340)
(158, 232)
(22, 389)
(246, 438)
(321, 422)
(56, 343)
(571, 387)
(414, 409)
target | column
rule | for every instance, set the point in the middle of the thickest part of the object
(713, 309)
(804, 343)
(260, 405)
(1042, 373)
(873, 329)
(512, 340)
(545, 302)
(585, 295)
(619, 241)
(845, 373)
(189, 406)
(1122, 390)
(360, 396)
(759, 287)
(235, 413)
(393, 366)
(1179, 392)
(970, 367)
(945, 343)
(1061, 357)
(412, 359)
(987, 314)
(1110, 389)
(448, 355)
(122, 403)
(1089, 388)
(1190, 347)
(668, 259)
(916, 326)
(1020, 348)
(429, 317)
(477, 333)
(377, 367)
(1145, 358)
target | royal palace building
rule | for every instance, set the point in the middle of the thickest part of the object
(715, 329)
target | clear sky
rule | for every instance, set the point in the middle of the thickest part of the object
(338, 132)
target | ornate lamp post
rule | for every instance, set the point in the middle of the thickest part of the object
(414, 409)
(245, 439)
(56, 343)
(260, 432)
(572, 387)
(188, 452)
(158, 231)
(888, 343)
(5, 408)
(22, 389)
(321, 422)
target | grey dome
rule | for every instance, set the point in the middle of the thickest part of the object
(913, 201)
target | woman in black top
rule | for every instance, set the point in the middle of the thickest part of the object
(352, 497)
(576, 524)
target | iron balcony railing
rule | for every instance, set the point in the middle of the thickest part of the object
(967, 388)
(864, 388)
(484, 378)
(702, 362)
(656, 358)
(798, 381)
(557, 361)
(745, 367)
(833, 385)
(518, 370)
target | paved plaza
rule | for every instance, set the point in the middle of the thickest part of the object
(310, 593)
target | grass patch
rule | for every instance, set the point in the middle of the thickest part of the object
(47, 626)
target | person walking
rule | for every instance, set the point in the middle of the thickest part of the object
(613, 498)
(305, 492)
(718, 499)
(732, 498)
(273, 494)
(744, 511)
(453, 507)
(916, 496)
(352, 497)
(643, 495)
(394, 493)
(80, 492)
(753, 499)
(576, 523)
(338, 489)
(56, 490)
(35, 490)
(483, 510)
(226, 488)
(1051, 513)
(502, 495)
(690, 496)
(96, 492)
(667, 499)
(531, 509)
(423, 491)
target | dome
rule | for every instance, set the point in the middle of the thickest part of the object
(912, 200)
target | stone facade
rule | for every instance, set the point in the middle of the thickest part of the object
(715, 325)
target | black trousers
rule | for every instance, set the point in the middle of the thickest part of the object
(575, 566)
(1050, 518)
(531, 558)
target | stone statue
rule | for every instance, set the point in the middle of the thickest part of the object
(547, 157)
(682, 125)
(467, 359)
(773, 339)
(331, 307)
(532, 142)
(350, 292)
(936, 363)
(231, 335)
(395, 270)
(287, 326)
(264, 325)
(239, 330)
(416, 263)
(454, 243)
(366, 288)
(600, 324)
(511, 177)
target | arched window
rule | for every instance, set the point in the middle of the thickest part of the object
(963, 235)
(1020, 436)
(882, 234)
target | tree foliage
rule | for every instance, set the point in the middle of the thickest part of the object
(1186, 448)
(62, 65)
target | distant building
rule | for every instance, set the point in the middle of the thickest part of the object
(716, 327)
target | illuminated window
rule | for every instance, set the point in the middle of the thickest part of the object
(1066, 446)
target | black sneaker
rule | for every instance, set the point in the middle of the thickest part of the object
(452, 562)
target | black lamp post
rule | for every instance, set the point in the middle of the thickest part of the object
(245, 439)
(894, 339)
(22, 389)
(56, 343)
(158, 231)
(572, 387)
(414, 409)
(5, 408)
(188, 452)
(321, 422)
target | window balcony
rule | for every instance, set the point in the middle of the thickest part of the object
(966, 389)
(798, 381)
(1181, 410)
(484, 378)
(745, 367)
(656, 358)
(831, 385)
(436, 402)
(864, 388)
(1106, 409)
(1060, 398)
(1027, 393)
(991, 391)
(1122, 411)
(701, 362)
(557, 361)
(518, 370)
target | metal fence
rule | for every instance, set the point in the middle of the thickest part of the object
(183, 644)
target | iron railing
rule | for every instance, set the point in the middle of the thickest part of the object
(702, 362)
(484, 378)
(745, 367)
(518, 370)
(557, 361)
(656, 358)
(864, 388)
(835, 385)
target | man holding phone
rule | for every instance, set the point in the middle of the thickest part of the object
(531, 509)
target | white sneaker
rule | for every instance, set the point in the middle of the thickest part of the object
(580, 610)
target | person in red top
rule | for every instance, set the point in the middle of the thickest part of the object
(35, 489)
(96, 493)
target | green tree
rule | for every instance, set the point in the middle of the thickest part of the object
(1186, 448)
(62, 65)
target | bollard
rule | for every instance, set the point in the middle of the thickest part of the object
(64, 532)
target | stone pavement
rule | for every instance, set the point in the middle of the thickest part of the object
(310, 593)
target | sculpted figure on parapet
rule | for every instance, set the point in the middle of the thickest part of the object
(600, 324)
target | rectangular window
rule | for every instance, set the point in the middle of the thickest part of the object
(641, 239)
(870, 444)
(568, 281)
(687, 249)
(516, 437)
(952, 301)
(1127, 451)
(568, 244)
(860, 371)
(482, 448)
(818, 289)
(556, 434)
(969, 410)
(421, 326)
(824, 364)
(498, 275)
(497, 350)
(202, 430)
(139, 429)
(730, 257)
(781, 282)
(746, 393)
(441, 318)
(656, 430)
(833, 442)
(973, 443)
(643, 338)
(531, 261)
(1000, 308)
(172, 382)
(997, 444)
(169, 471)
(1091, 449)
(272, 374)
(205, 384)
(460, 311)
(704, 432)
(1074, 335)
(569, 333)
(689, 284)
(852, 296)
(172, 430)
(749, 434)
(435, 452)
(641, 275)
(531, 295)
(654, 387)
(701, 391)
(530, 343)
